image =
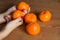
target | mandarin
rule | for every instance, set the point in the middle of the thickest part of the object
(31, 17)
(23, 6)
(17, 13)
(45, 16)
(33, 28)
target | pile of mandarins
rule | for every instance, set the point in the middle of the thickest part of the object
(32, 27)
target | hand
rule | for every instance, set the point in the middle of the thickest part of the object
(2, 15)
(10, 27)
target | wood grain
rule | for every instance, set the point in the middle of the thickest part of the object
(49, 30)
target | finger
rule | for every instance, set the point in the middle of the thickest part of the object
(28, 10)
(19, 23)
(7, 18)
(25, 12)
(18, 19)
(13, 8)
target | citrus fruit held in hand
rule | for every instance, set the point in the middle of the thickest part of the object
(17, 13)
(31, 17)
(23, 6)
(45, 16)
(33, 28)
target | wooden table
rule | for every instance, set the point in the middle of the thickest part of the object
(49, 30)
